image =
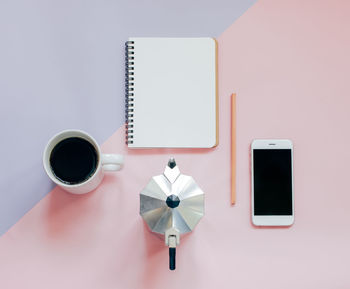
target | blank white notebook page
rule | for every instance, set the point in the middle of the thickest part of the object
(174, 85)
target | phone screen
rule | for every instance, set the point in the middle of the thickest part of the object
(272, 182)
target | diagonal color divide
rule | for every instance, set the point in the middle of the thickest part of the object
(290, 82)
(62, 66)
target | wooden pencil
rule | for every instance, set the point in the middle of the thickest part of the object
(233, 148)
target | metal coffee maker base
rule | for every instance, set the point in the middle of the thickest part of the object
(172, 204)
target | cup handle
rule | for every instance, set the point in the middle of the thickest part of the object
(112, 162)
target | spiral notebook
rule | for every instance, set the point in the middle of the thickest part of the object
(171, 92)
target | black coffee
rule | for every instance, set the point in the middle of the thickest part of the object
(73, 160)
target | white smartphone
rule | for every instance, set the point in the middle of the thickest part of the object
(272, 182)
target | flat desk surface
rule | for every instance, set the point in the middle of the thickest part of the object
(289, 65)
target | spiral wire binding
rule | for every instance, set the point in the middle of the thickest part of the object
(129, 92)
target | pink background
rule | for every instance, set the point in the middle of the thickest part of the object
(288, 63)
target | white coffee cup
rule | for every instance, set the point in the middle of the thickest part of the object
(105, 162)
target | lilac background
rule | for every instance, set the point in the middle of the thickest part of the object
(62, 66)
